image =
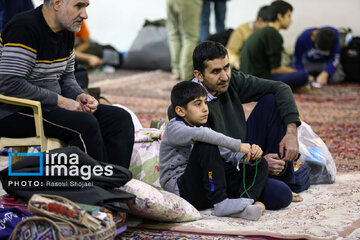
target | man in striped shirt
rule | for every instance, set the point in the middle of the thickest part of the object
(37, 62)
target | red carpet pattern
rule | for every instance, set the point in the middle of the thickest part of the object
(333, 111)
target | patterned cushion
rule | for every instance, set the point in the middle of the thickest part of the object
(144, 163)
(158, 204)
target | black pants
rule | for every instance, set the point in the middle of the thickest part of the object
(266, 128)
(208, 179)
(107, 135)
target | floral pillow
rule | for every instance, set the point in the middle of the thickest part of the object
(159, 205)
(144, 163)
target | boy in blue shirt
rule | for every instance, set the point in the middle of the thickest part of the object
(317, 51)
(205, 167)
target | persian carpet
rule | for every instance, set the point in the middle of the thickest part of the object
(136, 233)
(330, 211)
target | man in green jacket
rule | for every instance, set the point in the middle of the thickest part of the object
(272, 124)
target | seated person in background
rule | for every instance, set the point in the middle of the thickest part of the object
(239, 36)
(199, 164)
(82, 45)
(37, 63)
(261, 53)
(317, 51)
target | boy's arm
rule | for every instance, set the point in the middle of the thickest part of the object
(230, 156)
(179, 134)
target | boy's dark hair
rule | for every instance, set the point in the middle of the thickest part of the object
(184, 92)
(325, 39)
(264, 13)
(277, 7)
(208, 50)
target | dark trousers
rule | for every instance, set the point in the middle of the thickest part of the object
(294, 79)
(208, 179)
(107, 135)
(266, 129)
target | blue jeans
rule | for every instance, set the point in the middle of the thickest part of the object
(294, 79)
(220, 13)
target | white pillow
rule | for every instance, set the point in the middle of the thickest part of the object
(159, 205)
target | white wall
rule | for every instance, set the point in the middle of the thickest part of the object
(117, 22)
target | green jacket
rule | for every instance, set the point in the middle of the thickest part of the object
(226, 113)
(262, 52)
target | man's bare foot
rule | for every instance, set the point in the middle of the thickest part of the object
(297, 197)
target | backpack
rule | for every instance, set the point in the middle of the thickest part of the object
(150, 49)
(350, 60)
(221, 37)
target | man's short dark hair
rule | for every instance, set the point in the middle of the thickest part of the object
(205, 51)
(277, 7)
(264, 13)
(47, 2)
(184, 92)
(325, 39)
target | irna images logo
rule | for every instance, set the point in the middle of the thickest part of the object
(15, 154)
(61, 165)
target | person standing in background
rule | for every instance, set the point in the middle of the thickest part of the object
(9, 8)
(183, 23)
(219, 7)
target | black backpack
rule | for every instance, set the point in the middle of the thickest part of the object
(221, 37)
(350, 60)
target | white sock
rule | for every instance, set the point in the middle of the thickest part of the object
(251, 212)
(231, 206)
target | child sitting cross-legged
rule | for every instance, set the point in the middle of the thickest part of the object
(207, 168)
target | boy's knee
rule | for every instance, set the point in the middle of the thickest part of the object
(206, 147)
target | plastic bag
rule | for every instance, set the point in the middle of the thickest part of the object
(316, 154)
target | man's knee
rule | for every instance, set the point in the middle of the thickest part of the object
(268, 100)
(276, 194)
(89, 124)
(124, 121)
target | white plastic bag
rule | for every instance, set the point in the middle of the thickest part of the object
(315, 153)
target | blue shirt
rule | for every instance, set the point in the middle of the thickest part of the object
(305, 49)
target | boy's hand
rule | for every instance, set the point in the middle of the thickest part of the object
(256, 152)
(246, 148)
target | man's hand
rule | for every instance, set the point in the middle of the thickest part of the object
(94, 61)
(322, 78)
(289, 146)
(69, 104)
(276, 165)
(88, 103)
